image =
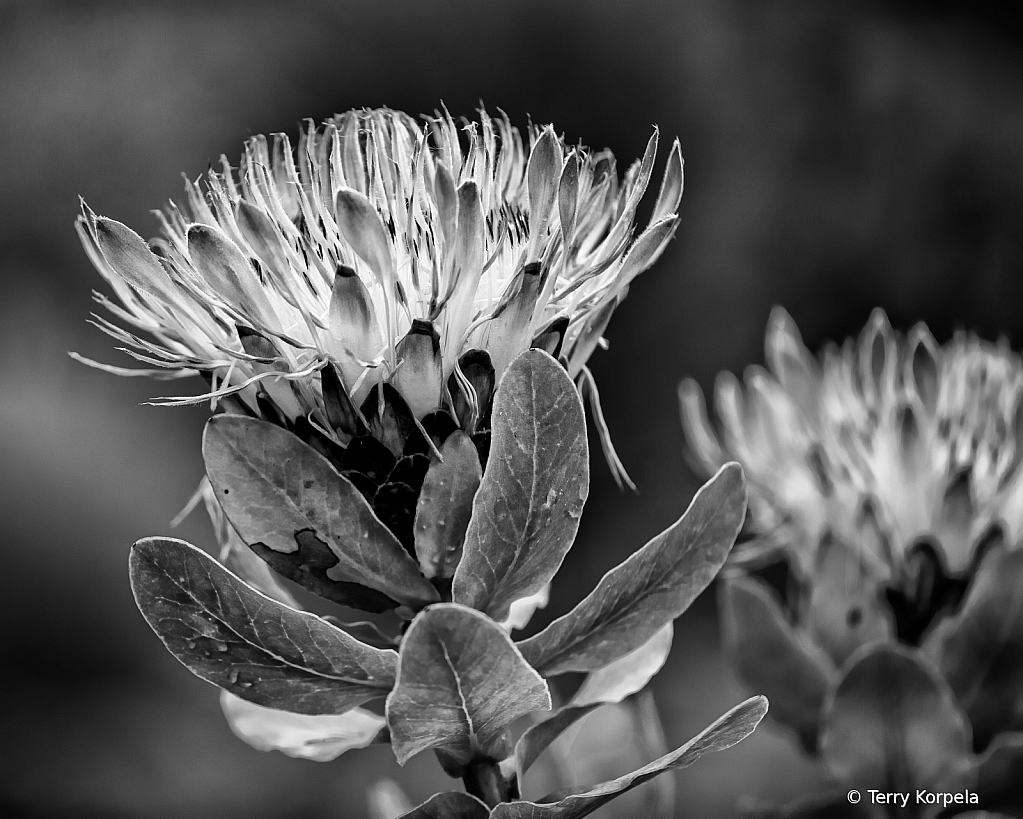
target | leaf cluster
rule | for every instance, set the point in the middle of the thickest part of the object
(452, 678)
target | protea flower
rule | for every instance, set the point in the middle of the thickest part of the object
(396, 323)
(368, 291)
(385, 269)
(885, 483)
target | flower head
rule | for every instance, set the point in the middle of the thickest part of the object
(889, 443)
(396, 320)
(885, 476)
(382, 251)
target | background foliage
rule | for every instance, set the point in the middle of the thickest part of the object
(839, 156)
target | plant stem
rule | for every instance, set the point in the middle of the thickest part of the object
(483, 780)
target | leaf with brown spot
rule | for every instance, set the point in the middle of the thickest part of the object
(283, 495)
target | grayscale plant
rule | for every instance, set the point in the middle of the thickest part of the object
(885, 484)
(394, 323)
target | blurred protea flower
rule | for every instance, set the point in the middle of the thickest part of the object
(383, 266)
(890, 443)
(885, 485)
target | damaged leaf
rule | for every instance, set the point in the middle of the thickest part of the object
(304, 518)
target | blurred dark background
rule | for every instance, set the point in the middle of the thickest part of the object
(839, 156)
